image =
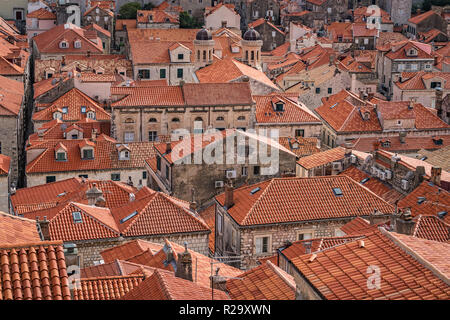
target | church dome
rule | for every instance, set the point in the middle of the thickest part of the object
(203, 34)
(252, 35)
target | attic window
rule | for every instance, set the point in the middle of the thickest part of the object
(77, 217)
(61, 156)
(88, 154)
(128, 217)
(57, 115)
(65, 110)
(412, 52)
(337, 192)
(436, 84)
(91, 115)
(83, 109)
(77, 44)
(279, 106)
(63, 44)
(438, 142)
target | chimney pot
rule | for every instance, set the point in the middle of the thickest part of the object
(229, 201)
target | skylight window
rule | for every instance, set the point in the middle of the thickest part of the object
(128, 217)
(364, 180)
(334, 105)
(77, 217)
(421, 200)
(255, 190)
(337, 192)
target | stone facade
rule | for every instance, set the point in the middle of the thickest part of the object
(329, 11)
(238, 240)
(4, 193)
(137, 175)
(101, 17)
(271, 37)
(399, 10)
(181, 179)
(435, 21)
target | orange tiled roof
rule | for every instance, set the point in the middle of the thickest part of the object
(210, 10)
(158, 16)
(48, 41)
(15, 230)
(5, 162)
(373, 184)
(432, 251)
(302, 247)
(265, 282)
(129, 250)
(261, 21)
(283, 200)
(293, 111)
(416, 80)
(421, 17)
(209, 216)
(302, 147)
(73, 100)
(402, 276)
(42, 14)
(340, 112)
(106, 156)
(97, 4)
(228, 70)
(129, 23)
(35, 271)
(432, 228)
(399, 51)
(322, 158)
(50, 195)
(163, 285)
(12, 96)
(395, 145)
(105, 288)
(115, 268)
(359, 226)
(437, 200)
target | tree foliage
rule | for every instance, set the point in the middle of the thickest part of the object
(188, 22)
(426, 4)
(129, 10)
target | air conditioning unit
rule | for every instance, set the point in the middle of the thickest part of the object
(382, 175)
(337, 166)
(353, 159)
(219, 184)
(405, 184)
(373, 170)
(231, 174)
(388, 174)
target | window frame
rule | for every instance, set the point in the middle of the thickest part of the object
(269, 244)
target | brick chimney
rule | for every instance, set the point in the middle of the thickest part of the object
(229, 201)
(43, 225)
(184, 264)
(193, 203)
(436, 175)
(404, 223)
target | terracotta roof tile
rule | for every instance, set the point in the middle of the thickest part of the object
(162, 285)
(293, 112)
(5, 162)
(403, 277)
(421, 17)
(33, 272)
(105, 288)
(129, 249)
(431, 228)
(12, 96)
(158, 16)
(282, 200)
(302, 147)
(209, 216)
(14, 230)
(322, 158)
(42, 14)
(265, 282)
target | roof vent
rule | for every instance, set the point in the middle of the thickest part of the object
(361, 243)
(313, 257)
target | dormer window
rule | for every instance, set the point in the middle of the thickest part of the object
(279, 106)
(91, 115)
(65, 110)
(150, 18)
(63, 44)
(57, 115)
(436, 84)
(83, 109)
(87, 154)
(77, 44)
(386, 144)
(180, 56)
(124, 155)
(412, 52)
(61, 155)
(366, 115)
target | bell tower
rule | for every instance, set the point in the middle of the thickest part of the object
(203, 48)
(251, 48)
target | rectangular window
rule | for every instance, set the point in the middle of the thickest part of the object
(115, 176)
(158, 163)
(317, 90)
(129, 137)
(330, 90)
(83, 176)
(152, 135)
(219, 224)
(144, 175)
(256, 170)
(162, 73)
(299, 132)
(262, 245)
(179, 73)
(77, 217)
(167, 172)
(180, 56)
(61, 156)
(88, 154)
(144, 74)
(49, 179)
(304, 235)
(244, 171)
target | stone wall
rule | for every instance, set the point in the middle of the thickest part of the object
(4, 196)
(89, 251)
(9, 141)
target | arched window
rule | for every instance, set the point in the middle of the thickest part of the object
(91, 115)
(152, 120)
(199, 119)
(220, 119)
(175, 120)
(204, 55)
(129, 120)
(253, 55)
(241, 118)
(198, 54)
